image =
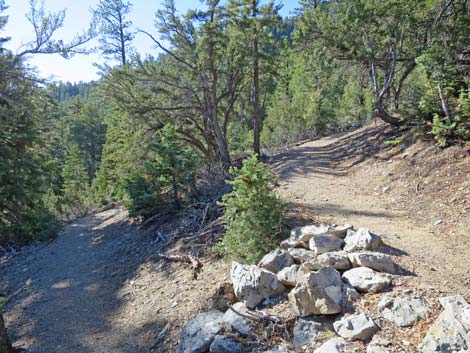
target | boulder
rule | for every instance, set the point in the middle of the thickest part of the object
(355, 327)
(276, 260)
(333, 345)
(451, 330)
(300, 236)
(324, 243)
(361, 239)
(321, 293)
(301, 255)
(403, 311)
(337, 259)
(325, 277)
(350, 295)
(291, 275)
(236, 322)
(252, 284)
(198, 334)
(365, 279)
(374, 260)
(222, 344)
(310, 329)
(339, 230)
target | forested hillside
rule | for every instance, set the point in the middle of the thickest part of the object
(226, 79)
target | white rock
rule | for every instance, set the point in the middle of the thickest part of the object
(374, 260)
(305, 233)
(325, 243)
(336, 259)
(311, 329)
(291, 275)
(403, 311)
(276, 260)
(301, 255)
(365, 279)
(333, 345)
(451, 331)
(236, 322)
(321, 293)
(252, 284)
(339, 230)
(355, 327)
(361, 239)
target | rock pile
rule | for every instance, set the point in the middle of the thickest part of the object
(321, 269)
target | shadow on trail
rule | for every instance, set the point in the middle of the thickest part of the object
(65, 296)
(335, 156)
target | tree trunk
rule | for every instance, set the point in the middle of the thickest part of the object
(256, 114)
(444, 102)
(5, 344)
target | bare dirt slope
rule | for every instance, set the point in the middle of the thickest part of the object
(416, 197)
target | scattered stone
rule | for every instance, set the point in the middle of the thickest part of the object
(223, 344)
(198, 334)
(309, 329)
(236, 322)
(378, 345)
(361, 239)
(365, 279)
(320, 294)
(403, 311)
(355, 327)
(306, 232)
(252, 284)
(276, 260)
(290, 276)
(333, 345)
(325, 243)
(439, 221)
(451, 331)
(301, 255)
(374, 260)
(337, 259)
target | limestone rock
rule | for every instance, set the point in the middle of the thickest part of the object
(198, 334)
(374, 260)
(301, 255)
(321, 293)
(350, 295)
(361, 239)
(451, 331)
(223, 344)
(365, 279)
(333, 345)
(324, 243)
(337, 259)
(276, 260)
(339, 230)
(236, 322)
(252, 284)
(310, 329)
(355, 327)
(403, 311)
(300, 236)
(290, 276)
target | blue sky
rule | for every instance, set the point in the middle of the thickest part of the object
(80, 67)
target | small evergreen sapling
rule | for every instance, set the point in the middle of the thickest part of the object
(253, 215)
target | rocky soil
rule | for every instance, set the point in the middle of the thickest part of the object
(101, 286)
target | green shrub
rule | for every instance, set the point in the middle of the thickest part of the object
(168, 179)
(253, 215)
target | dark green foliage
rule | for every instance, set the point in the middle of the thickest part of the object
(253, 215)
(168, 178)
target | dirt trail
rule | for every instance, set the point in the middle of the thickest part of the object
(96, 288)
(328, 178)
(66, 293)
